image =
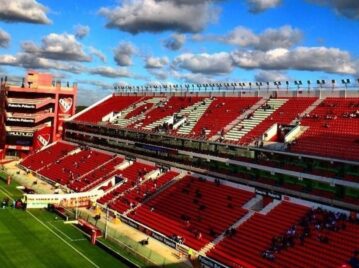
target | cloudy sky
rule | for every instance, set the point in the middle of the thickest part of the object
(102, 43)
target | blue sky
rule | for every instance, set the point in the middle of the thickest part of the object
(102, 43)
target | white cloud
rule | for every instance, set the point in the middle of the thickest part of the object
(175, 42)
(28, 61)
(4, 38)
(217, 63)
(257, 6)
(269, 76)
(81, 31)
(97, 53)
(331, 60)
(283, 37)
(57, 47)
(110, 72)
(124, 53)
(156, 63)
(137, 16)
(29, 11)
(347, 8)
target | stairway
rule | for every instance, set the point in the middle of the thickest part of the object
(212, 244)
(195, 113)
(184, 111)
(121, 119)
(259, 115)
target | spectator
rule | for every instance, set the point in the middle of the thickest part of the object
(354, 261)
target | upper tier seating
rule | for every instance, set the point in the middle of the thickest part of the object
(71, 167)
(283, 115)
(95, 177)
(138, 110)
(191, 208)
(221, 112)
(138, 194)
(113, 104)
(131, 175)
(333, 130)
(173, 105)
(46, 156)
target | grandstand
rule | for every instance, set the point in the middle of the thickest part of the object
(238, 178)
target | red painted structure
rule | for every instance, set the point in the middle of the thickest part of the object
(32, 113)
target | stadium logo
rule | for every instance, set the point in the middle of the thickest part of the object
(43, 139)
(65, 104)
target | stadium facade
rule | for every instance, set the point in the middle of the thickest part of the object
(32, 113)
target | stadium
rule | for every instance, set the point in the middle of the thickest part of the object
(179, 134)
(231, 174)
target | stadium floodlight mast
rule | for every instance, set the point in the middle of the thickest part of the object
(277, 83)
(346, 82)
(234, 85)
(333, 84)
(320, 83)
(308, 82)
(287, 84)
(267, 86)
(242, 84)
(205, 87)
(298, 83)
(259, 84)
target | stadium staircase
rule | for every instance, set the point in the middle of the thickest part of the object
(182, 111)
(330, 128)
(193, 114)
(284, 115)
(135, 112)
(130, 175)
(259, 115)
(204, 203)
(169, 179)
(255, 234)
(308, 110)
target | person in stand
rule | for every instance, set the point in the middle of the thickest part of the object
(354, 261)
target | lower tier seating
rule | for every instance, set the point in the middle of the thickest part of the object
(131, 175)
(141, 192)
(46, 156)
(256, 235)
(95, 177)
(72, 167)
(194, 209)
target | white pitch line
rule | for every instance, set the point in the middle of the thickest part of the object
(52, 231)
(6, 192)
(69, 238)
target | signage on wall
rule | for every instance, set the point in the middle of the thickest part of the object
(20, 134)
(65, 104)
(44, 139)
(21, 105)
(21, 120)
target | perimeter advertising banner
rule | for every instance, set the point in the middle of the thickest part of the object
(63, 200)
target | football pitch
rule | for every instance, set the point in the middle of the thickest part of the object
(37, 238)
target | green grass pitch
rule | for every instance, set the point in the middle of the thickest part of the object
(36, 238)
